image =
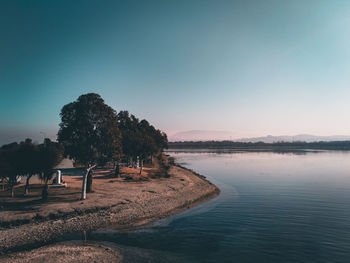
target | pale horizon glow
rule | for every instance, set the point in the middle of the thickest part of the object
(253, 68)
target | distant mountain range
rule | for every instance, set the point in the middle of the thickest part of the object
(296, 138)
(9, 135)
(201, 135)
(204, 135)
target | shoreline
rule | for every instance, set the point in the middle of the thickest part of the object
(184, 189)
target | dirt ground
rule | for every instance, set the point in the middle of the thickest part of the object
(106, 192)
(66, 253)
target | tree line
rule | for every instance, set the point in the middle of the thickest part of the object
(91, 133)
(27, 159)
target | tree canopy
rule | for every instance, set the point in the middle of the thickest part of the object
(89, 130)
(27, 159)
(139, 138)
(89, 133)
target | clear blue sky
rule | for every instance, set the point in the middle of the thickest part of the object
(252, 67)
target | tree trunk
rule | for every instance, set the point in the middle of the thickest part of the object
(83, 190)
(89, 182)
(12, 191)
(26, 188)
(117, 170)
(45, 193)
(141, 166)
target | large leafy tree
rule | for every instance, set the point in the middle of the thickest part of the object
(89, 133)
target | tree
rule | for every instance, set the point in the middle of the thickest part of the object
(153, 141)
(51, 154)
(147, 144)
(89, 133)
(28, 161)
(161, 140)
(139, 138)
(9, 165)
(128, 125)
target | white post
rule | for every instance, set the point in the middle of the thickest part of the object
(58, 177)
(83, 190)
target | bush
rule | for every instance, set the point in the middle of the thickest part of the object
(164, 165)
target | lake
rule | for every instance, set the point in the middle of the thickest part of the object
(273, 207)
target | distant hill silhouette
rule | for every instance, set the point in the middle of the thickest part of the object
(207, 135)
(203, 135)
(296, 138)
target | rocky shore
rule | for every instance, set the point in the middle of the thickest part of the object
(128, 205)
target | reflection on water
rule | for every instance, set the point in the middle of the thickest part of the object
(272, 208)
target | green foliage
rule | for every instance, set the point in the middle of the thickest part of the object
(139, 138)
(89, 130)
(171, 160)
(9, 168)
(27, 159)
(89, 133)
(50, 155)
(164, 164)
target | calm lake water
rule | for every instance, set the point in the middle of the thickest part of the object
(272, 208)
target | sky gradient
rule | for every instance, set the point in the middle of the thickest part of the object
(250, 67)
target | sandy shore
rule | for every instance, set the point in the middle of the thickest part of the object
(123, 204)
